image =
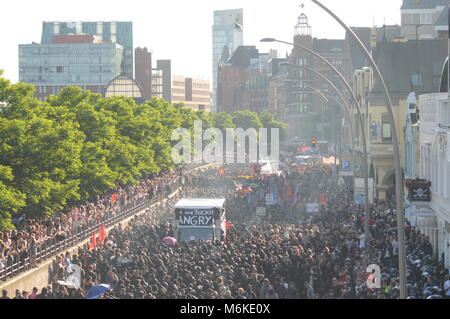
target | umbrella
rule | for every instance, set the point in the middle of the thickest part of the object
(97, 291)
(170, 240)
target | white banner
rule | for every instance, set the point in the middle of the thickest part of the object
(260, 211)
(270, 200)
(312, 208)
(359, 190)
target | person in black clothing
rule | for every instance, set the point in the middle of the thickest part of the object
(4, 294)
(317, 256)
(43, 294)
(18, 295)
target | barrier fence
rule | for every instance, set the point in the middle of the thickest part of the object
(51, 248)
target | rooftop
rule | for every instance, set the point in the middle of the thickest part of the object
(75, 38)
(399, 61)
(200, 203)
(443, 18)
(422, 4)
(328, 45)
(243, 55)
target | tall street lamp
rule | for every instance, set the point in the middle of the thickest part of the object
(398, 171)
(363, 133)
(318, 92)
(326, 100)
(345, 104)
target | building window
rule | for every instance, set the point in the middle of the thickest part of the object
(386, 129)
(426, 18)
(416, 79)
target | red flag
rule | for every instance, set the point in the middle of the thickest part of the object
(92, 244)
(323, 200)
(102, 235)
(220, 171)
(114, 197)
(290, 194)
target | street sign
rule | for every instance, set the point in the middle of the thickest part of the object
(345, 174)
(421, 194)
(346, 168)
(359, 198)
(359, 190)
(312, 208)
(270, 199)
(260, 211)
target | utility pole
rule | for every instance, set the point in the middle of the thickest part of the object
(398, 171)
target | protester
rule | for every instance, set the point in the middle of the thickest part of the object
(288, 253)
(33, 235)
(4, 295)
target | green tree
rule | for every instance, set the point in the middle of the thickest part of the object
(77, 144)
(11, 200)
(45, 158)
(223, 121)
(268, 121)
(246, 120)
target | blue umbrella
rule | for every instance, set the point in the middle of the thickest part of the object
(97, 291)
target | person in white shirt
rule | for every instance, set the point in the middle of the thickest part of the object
(362, 241)
(447, 287)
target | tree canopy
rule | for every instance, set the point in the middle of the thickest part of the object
(77, 145)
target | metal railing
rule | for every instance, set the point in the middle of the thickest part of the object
(51, 248)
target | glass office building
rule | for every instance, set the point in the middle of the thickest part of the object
(113, 31)
(227, 31)
(157, 83)
(69, 64)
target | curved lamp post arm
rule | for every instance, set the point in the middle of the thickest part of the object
(325, 99)
(318, 93)
(328, 101)
(398, 172)
(345, 106)
(363, 133)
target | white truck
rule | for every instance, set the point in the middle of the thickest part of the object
(200, 219)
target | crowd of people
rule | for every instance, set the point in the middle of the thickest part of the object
(32, 234)
(320, 255)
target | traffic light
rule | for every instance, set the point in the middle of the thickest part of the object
(314, 142)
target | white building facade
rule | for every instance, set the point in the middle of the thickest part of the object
(434, 217)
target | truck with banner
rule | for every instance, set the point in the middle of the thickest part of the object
(200, 219)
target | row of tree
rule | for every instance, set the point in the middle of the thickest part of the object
(77, 145)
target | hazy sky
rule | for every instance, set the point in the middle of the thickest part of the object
(181, 30)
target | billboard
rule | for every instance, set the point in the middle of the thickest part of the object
(346, 168)
(196, 217)
(359, 191)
